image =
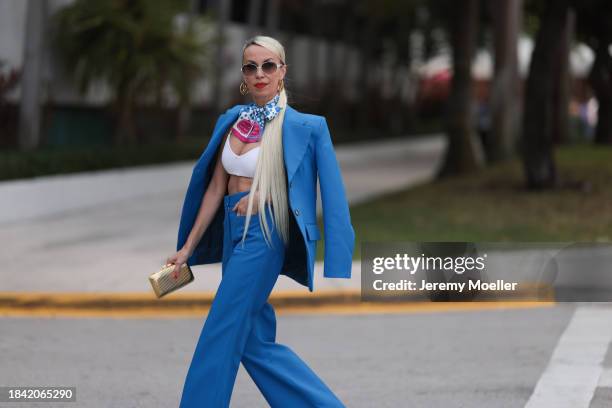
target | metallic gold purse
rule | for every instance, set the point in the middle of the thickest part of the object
(163, 282)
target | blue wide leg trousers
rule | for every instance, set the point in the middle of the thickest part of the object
(241, 327)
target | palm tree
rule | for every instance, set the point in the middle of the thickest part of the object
(135, 46)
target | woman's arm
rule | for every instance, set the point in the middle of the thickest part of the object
(339, 233)
(210, 203)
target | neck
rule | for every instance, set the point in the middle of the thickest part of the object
(262, 102)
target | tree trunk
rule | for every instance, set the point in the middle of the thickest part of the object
(337, 98)
(366, 71)
(537, 142)
(401, 112)
(272, 17)
(290, 44)
(253, 17)
(505, 101)
(184, 116)
(464, 153)
(29, 108)
(330, 17)
(562, 76)
(314, 87)
(222, 15)
(343, 82)
(601, 81)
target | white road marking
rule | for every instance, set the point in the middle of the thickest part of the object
(575, 368)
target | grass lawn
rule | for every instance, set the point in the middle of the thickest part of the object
(493, 205)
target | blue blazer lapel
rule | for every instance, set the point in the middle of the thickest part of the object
(296, 136)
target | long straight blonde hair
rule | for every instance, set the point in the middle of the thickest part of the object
(270, 173)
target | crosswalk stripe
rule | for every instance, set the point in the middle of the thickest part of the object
(575, 368)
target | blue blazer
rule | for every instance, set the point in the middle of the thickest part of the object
(308, 151)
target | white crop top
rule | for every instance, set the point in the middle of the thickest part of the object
(239, 164)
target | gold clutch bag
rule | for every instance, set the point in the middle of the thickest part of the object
(163, 282)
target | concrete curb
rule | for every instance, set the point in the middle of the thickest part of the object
(32, 301)
(45, 304)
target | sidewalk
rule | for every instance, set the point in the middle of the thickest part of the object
(105, 232)
(368, 169)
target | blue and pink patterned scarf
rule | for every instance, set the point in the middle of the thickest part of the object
(252, 119)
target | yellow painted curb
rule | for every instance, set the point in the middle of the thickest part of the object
(141, 305)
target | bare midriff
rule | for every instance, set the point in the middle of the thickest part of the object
(236, 183)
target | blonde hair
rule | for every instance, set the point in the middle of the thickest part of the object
(270, 173)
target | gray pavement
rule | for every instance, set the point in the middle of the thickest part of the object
(501, 358)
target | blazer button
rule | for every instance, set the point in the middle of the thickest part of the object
(290, 184)
(297, 211)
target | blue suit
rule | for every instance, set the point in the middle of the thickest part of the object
(241, 323)
(308, 151)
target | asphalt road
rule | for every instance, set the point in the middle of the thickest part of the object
(485, 358)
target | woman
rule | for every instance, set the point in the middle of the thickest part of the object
(251, 204)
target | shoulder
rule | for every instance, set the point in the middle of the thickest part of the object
(309, 119)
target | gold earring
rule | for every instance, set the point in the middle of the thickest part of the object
(243, 88)
(281, 85)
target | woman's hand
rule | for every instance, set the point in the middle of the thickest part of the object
(241, 205)
(177, 260)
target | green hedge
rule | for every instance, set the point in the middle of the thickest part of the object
(17, 164)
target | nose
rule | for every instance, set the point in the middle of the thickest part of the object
(260, 73)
